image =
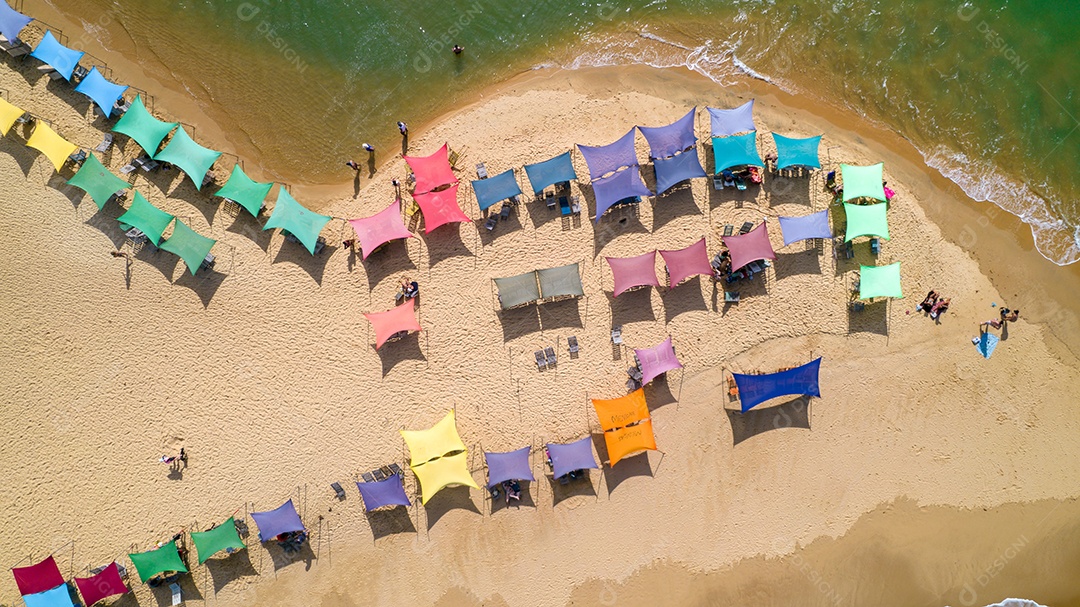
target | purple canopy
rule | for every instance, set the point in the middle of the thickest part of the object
(667, 140)
(509, 466)
(273, 523)
(605, 159)
(752, 246)
(687, 262)
(387, 492)
(572, 456)
(814, 225)
(618, 187)
(676, 169)
(657, 360)
(735, 120)
(756, 389)
(630, 272)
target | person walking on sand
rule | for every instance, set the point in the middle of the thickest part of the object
(183, 456)
(352, 165)
(404, 128)
(369, 148)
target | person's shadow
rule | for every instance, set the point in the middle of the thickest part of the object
(404, 143)
(370, 164)
(356, 185)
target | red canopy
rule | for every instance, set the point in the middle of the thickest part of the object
(101, 586)
(684, 263)
(630, 272)
(440, 207)
(38, 578)
(396, 320)
(752, 246)
(431, 171)
(380, 228)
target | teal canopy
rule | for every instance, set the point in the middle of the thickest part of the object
(149, 219)
(141, 126)
(222, 537)
(192, 158)
(153, 562)
(880, 281)
(188, 245)
(291, 216)
(866, 220)
(791, 152)
(739, 150)
(96, 180)
(245, 191)
(863, 182)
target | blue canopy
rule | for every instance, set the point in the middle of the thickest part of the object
(604, 159)
(12, 21)
(675, 169)
(273, 523)
(735, 151)
(494, 189)
(735, 120)
(668, 140)
(57, 56)
(573, 456)
(103, 92)
(792, 152)
(387, 492)
(550, 172)
(756, 389)
(616, 188)
(509, 466)
(57, 597)
(814, 225)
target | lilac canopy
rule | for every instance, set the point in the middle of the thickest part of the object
(687, 262)
(12, 22)
(814, 225)
(756, 389)
(387, 492)
(630, 272)
(273, 523)
(616, 188)
(668, 140)
(657, 360)
(605, 159)
(752, 246)
(676, 169)
(572, 456)
(735, 120)
(509, 466)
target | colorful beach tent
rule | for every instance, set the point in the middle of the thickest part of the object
(676, 169)
(149, 219)
(57, 597)
(792, 152)
(192, 158)
(56, 55)
(752, 246)
(39, 577)
(189, 245)
(740, 150)
(100, 90)
(657, 360)
(550, 172)
(684, 263)
(880, 281)
(630, 272)
(800, 381)
(438, 457)
(863, 182)
(273, 523)
(380, 228)
(105, 584)
(508, 466)
(577, 455)
(387, 492)
(605, 159)
(440, 208)
(866, 220)
(613, 189)
(8, 115)
(160, 560)
(517, 290)
(245, 191)
(292, 217)
(140, 125)
(735, 120)
(393, 321)
(432, 171)
(626, 424)
(12, 21)
(563, 281)
(496, 189)
(665, 141)
(814, 225)
(223, 537)
(56, 148)
(96, 180)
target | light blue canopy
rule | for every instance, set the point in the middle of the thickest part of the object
(194, 159)
(12, 21)
(800, 381)
(604, 159)
(57, 597)
(735, 120)
(103, 92)
(616, 188)
(665, 141)
(814, 225)
(494, 189)
(676, 169)
(550, 172)
(797, 152)
(57, 56)
(736, 151)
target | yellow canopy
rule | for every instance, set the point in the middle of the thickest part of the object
(8, 115)
(437, 441)
(626, 424)
(443, 472)
(56, 148)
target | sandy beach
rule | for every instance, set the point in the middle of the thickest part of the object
(925, 475)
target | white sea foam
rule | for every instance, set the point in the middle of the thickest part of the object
(1016, 603)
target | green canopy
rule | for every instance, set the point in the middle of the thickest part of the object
(245, 191)
(189, 245)
(141, 126)
(879, 281)
(96, 180)
(150, 220)
(863, 182)
(866, 220)
(192, 158)
(222, 537)
(291, 216)
(149, 564)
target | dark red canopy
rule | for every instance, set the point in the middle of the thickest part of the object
(432, 171)
(101, 586)
(38, 578)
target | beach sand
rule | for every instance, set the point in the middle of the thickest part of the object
(921, 468)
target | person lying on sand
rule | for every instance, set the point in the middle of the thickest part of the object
(929, 301)
(940, 308)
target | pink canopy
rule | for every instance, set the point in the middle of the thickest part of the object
(380, 228)
(633, 272)
(684, 263)
(396, 320)
(101, 586)
(752, 246)
(440, 207)
(432, 171)
(38, 577)
(657, 360)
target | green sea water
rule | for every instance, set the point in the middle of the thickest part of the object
(987, 91)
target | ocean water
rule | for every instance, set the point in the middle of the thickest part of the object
(986, 90)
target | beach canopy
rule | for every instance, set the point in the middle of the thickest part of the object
(245, 191)
(791, 152)
(866, 220)
(160, 560)
(495, 189)
(735, 120)
(292, 217)
(393, 321)
(630, 272)
(517, 290)
(149, 219)
(105, 584)
(814, 225)
(100, 90)
(665, 141)
(56, 55)
(880, 281)
(380, 228)
(39, 577)
(657, 360)
(388, 492)
(749, 247)
(189, 245)
(577, 455)
(223, 537)
(141, 126)
(56, 148)
(57, 597)
(431, 460)
(626, 424)
(677, 169)
(740, 150)
(432, 171)
(687, 262)
(550, 172)
(273, 523)
(194, 159)
(563, 281)
(609, 158)
(12, 21)
(8, 115)
(508, 466)
(97, 181)
(863, 182)
(440, 208)
(616, 188)
(436, 475)
(800, 381)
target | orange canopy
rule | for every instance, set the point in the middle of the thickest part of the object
(396, 320)
(626, 424)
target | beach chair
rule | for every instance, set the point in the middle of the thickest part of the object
(454, 157)
(378, 474)
(207, 179)
(127, 168)
(575, 205)
(573, 343)
(481, 171)
(105, 143)
(338, 490)
(740, 183)
(731, 297)
(79, 73)
(616, 335)
(732, 389)
(551, 359)
(875, 245)
(717, 182)
(14, 47)
(177, 595)
(729, 229)
(564, 205)
(849, 250)
(208, 262)
(504, 212)
(367, 477)
(746, 227)
(320, 244)
(541, 361)
(490, 223)
(635, 374)
(396, 469)
(550, 198)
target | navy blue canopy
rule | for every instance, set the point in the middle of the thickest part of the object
(492, 190)
(57, 56)
(573, 456)
(509, 466)
(12, 21)
(273, 523)
(676, 169)
(814, 225)
(668, 140)
(800, 381)
(550, 172)
(387, 492)
(792, 152)
(618, 187)
(604, 159)
(103, 92)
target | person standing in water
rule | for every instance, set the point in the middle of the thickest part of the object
(458, 49)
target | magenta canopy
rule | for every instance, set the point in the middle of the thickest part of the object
(395, 320)
(684, 263)
(630, 272)
(380, 228)
(37, 578)
(440, 208)
(432, 171)
(752, 246)
(657, 360)
(101, 586)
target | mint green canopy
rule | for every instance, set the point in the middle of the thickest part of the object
(245, 191)
(863, 182)
(150, 220)
(291, 216)
(153, 562)
(192, 158)
(141, 126)
(222, 537)
(866, 220)
(96, 180)
(189, 245)
(880, 281)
